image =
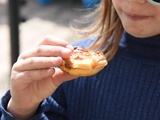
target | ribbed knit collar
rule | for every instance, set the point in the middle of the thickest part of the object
(145, 49)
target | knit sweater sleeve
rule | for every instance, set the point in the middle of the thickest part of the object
(53, 107)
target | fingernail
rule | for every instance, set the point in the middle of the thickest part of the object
(50, 70)
(66, 53)
(70, 47)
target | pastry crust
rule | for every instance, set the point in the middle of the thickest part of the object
(83, 62)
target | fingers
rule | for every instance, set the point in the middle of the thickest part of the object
(37, 63)
(48, 54)
(32, 75)
(47, 51)
(49, 46)
(59, 77)
(54, 41)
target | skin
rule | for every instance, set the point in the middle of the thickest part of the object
(139, 17)
(33, 76)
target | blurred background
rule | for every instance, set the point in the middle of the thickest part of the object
(38, 18)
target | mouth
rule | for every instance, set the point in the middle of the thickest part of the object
(135, 16)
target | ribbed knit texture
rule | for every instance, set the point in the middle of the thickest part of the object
(128, 88)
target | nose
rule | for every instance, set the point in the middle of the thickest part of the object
(138, 1)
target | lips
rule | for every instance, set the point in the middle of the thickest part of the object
(135, 16)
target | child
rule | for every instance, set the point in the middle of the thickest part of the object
(128, 88)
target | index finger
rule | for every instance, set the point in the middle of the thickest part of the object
(53, 40)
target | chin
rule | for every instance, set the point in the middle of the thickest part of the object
(138, 33)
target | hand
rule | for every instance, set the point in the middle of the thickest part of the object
(35, 76)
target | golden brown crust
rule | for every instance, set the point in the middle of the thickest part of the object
(83, 62)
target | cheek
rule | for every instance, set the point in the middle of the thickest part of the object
(158, 17)
(116, 4)
(155, 23)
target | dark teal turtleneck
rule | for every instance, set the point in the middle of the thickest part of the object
(128, 88)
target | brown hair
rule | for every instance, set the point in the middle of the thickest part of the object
(108, 28)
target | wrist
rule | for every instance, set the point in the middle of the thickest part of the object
(19, 112)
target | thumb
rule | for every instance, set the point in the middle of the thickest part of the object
(59, 77)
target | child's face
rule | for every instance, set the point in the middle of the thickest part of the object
(139, 18)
